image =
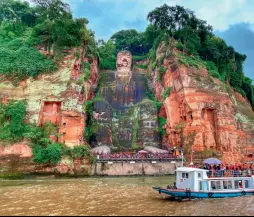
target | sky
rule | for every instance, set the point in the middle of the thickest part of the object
(233, 20)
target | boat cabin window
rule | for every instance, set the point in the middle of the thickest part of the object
(185, 175)
(215, 185)
(203, 185)
(227, 184)
(199, 175)
(246, 183)
(238, 184)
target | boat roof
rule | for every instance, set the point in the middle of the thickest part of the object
(189, 169)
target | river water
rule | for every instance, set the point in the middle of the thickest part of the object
(108, 197)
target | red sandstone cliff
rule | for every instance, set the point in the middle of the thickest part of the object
(201, 112)
(58, 98)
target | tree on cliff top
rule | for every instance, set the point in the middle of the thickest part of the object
(182, 24)
(107, 54)
(48, 24)
(195, 37)
(56, 26)
(132, 41)
(15, 16)
(53, 9)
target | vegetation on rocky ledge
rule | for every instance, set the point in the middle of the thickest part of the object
(14, 129)
(47, 25)
(200, 47)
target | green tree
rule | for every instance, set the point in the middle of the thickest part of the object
(12, 121)
(52, 9)
(52, 154)
(195, 37)
(15, 17)
(107, 54)
(131, 40)
(17, 12)
(150, 34)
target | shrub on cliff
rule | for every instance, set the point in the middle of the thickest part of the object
(81, 151)
(166, 93)
(12, 127)
(161, 71)
(37, 136)
(139, 58)
(24, 62)
(142, 66)
(162, 122)
(52, 154)
(44, 151)
(48, 24)
(107, 55)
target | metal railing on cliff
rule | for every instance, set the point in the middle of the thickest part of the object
(138, 158)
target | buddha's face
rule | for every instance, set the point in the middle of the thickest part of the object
(125, 63)
(124, 60)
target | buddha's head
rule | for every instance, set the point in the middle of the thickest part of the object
(123, 63)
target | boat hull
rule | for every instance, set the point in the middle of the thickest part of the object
(192, 195)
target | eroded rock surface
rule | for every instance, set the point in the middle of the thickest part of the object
(57, 98)
(124, 116)
(203, 113)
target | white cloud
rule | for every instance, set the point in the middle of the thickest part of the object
(219, 13)
(222, 14)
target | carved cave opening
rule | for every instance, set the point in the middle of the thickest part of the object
(51, 112)
(69, 124)
(71, 129)
(209, 121)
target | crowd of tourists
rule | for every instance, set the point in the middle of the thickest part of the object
(235, 170)
(122, 156)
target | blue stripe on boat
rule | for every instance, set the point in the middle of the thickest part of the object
(184, 194)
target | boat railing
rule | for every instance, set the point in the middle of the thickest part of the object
(230, 173)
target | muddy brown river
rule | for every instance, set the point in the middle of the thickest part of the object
(108, 197)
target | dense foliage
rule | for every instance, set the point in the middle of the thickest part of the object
(19, 62)
(12, 118)
(77, 152)
(52, 154)
(195, 39)
(14, 129)
(48, 25)
(132, 41)
(107, 54)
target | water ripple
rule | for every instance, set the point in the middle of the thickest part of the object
(108, 197)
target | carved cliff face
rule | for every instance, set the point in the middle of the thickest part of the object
(124, 117)
(123, 64)
(201, 113)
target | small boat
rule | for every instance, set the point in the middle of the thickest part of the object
(193, 183)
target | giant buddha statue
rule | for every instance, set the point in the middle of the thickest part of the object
(124, 117)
